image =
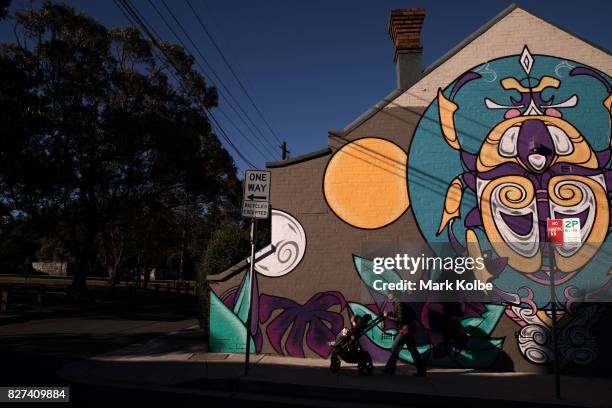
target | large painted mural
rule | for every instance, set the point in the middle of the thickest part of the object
(508, 144)
(524, 138)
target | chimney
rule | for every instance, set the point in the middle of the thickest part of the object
(405, 31)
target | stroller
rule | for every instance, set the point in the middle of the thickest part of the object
(347, 348)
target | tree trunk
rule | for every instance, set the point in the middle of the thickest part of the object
(115, 274)
(79, 279)
(83, 266)
(147, 276)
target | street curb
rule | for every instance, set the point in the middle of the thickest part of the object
(246, 389)
(347, 394)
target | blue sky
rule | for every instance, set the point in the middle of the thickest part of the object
(311, 66)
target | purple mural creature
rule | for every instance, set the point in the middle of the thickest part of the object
(313, 318)
(532, 166)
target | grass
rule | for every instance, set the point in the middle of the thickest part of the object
(67, 280)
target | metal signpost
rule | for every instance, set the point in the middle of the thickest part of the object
(560, 232)
(255, 205)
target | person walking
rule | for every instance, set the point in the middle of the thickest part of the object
(405, 319)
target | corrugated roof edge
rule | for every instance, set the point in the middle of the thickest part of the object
(366, 115)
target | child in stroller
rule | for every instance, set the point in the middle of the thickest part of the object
(347, 347)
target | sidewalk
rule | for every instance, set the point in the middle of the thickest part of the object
(179, 362)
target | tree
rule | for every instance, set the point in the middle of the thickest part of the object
(4, 6)
(228, 246)
(93, 132)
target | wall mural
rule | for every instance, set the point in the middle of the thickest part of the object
(539, 149)
(229, 311)
(507, 145)
(485, 174)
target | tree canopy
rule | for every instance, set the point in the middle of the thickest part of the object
(95, 135)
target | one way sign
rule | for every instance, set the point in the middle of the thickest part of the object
(256, 198)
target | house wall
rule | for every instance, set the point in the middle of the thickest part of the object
(299, 312)
(513, 31)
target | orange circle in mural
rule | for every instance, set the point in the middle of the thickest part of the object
(365, 183)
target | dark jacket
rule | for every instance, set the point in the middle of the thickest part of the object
(403, 315)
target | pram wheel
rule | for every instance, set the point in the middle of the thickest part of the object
(334, 364)
(365, 365)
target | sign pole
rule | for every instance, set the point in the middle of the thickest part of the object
(553, 300)
(255, 204)
(247, 351)
(559, 232)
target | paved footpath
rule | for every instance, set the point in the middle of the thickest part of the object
(178, 362)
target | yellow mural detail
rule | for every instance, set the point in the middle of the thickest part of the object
(446, 110)
(568, 195)
(515, 192)
(490, 158)
(365, 183)
(545, 82)
(608, 104)
(452, 203)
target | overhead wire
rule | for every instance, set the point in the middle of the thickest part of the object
(229, 66)
(139, 22)
(271, 152)
(265, 140)
(248, 139)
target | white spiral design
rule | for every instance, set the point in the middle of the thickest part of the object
(570, 198)
(287, 252)
(287, 248)
(578, 345)
(534, 342)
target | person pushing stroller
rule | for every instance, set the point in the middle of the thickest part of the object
(356, 324)
(405, 319)
(347, 347)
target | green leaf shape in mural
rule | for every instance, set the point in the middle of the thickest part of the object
(485, 323)
(241, 307)
(365, 269)
(479, 352)
(227, 332)
(380, 337)
(384, 338)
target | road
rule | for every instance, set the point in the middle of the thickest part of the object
(32, 351)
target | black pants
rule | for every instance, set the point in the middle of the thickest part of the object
(398, 343)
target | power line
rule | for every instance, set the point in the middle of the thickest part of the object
(212, 40)
(270, 151)
(130, 9)
(227, 90)
(263, 142)
(176, 36)
(214, 124)
(153, 36)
